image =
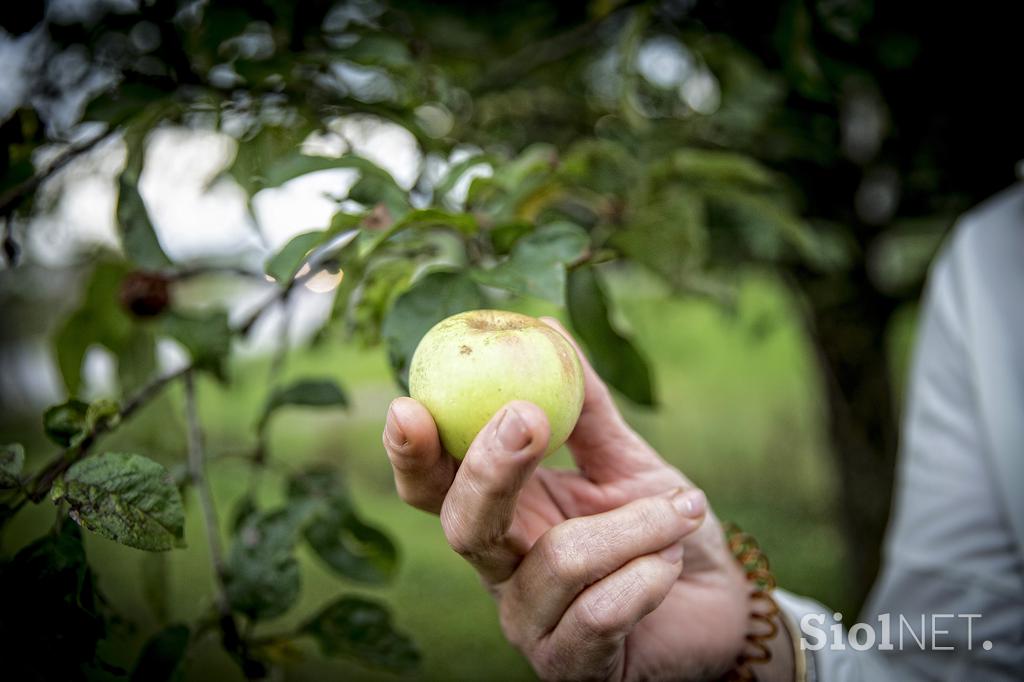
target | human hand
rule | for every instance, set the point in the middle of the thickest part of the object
(616, 571)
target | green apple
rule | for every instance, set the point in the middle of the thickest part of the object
(469, 365)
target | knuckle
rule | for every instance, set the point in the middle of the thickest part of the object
(483, 477)
(549, 663)
(563, 555)
(599, 618)
(465, 539)
(652, 516)
(508, 618)
(463, 547)
(455, 532)
(609, 611)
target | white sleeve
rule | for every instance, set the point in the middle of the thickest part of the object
(952, 574)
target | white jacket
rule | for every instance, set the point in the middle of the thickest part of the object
(955, 546)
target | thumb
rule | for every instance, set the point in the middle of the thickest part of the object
(603, 444)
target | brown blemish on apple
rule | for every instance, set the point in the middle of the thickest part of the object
(494, 321)
(565, 356)
(465, 350)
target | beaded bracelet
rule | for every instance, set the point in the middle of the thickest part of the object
(764, 611)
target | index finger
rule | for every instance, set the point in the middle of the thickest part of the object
(603, 445)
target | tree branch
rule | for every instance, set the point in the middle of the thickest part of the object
(43, 481)
(543, 52)
(279, 296)
(13, 197)
(230, 637)
(197, 473)
(190, 271)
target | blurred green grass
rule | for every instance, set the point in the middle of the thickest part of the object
(740, 412)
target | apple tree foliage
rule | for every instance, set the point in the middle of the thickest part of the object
(769, 136)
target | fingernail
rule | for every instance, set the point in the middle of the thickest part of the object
(673, 553)
(690, 503)
(393, 429)
(512, 432)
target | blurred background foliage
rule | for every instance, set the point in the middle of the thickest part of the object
(733, 204)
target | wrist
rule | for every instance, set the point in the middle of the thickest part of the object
(769, 653)
(783, 664)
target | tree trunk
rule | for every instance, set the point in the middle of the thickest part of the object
(850, 341)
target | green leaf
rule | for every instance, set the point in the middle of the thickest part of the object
(306, 392)
(125, 497)
(262, 574)
(603, 166)
(283, 265)
(384, 282)
(207, 339)
(295, 165)
(66, 422)
(433, 298)
(421, 219)
(162, 656)
(273, 146)
(668, 236)
(273, 157)
(719, 168)
(101, 320)
(138, 238)
(102, 411)
(121, 103)
(794, 35)
(12, 461)
(379, 50)
(51, 605)
(459, 169)
(766, 225)
(898, 259)
(536, 160)
(373, 188)
(612, 354)
(360, 629)
(316, 247)
(519, 188)
(243, 509)
(505, 235)
(220, 23)
(350, 547)
(538, 262)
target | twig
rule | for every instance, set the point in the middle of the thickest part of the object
(279, 296)
(189, 272)
(13, 197)
(258, 456)
(543, 52)
(280, 356)
(197, 472)
(10, 247)
(43, 481)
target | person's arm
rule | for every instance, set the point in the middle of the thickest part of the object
(587, 569)
(950, 562)
(616, 570)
